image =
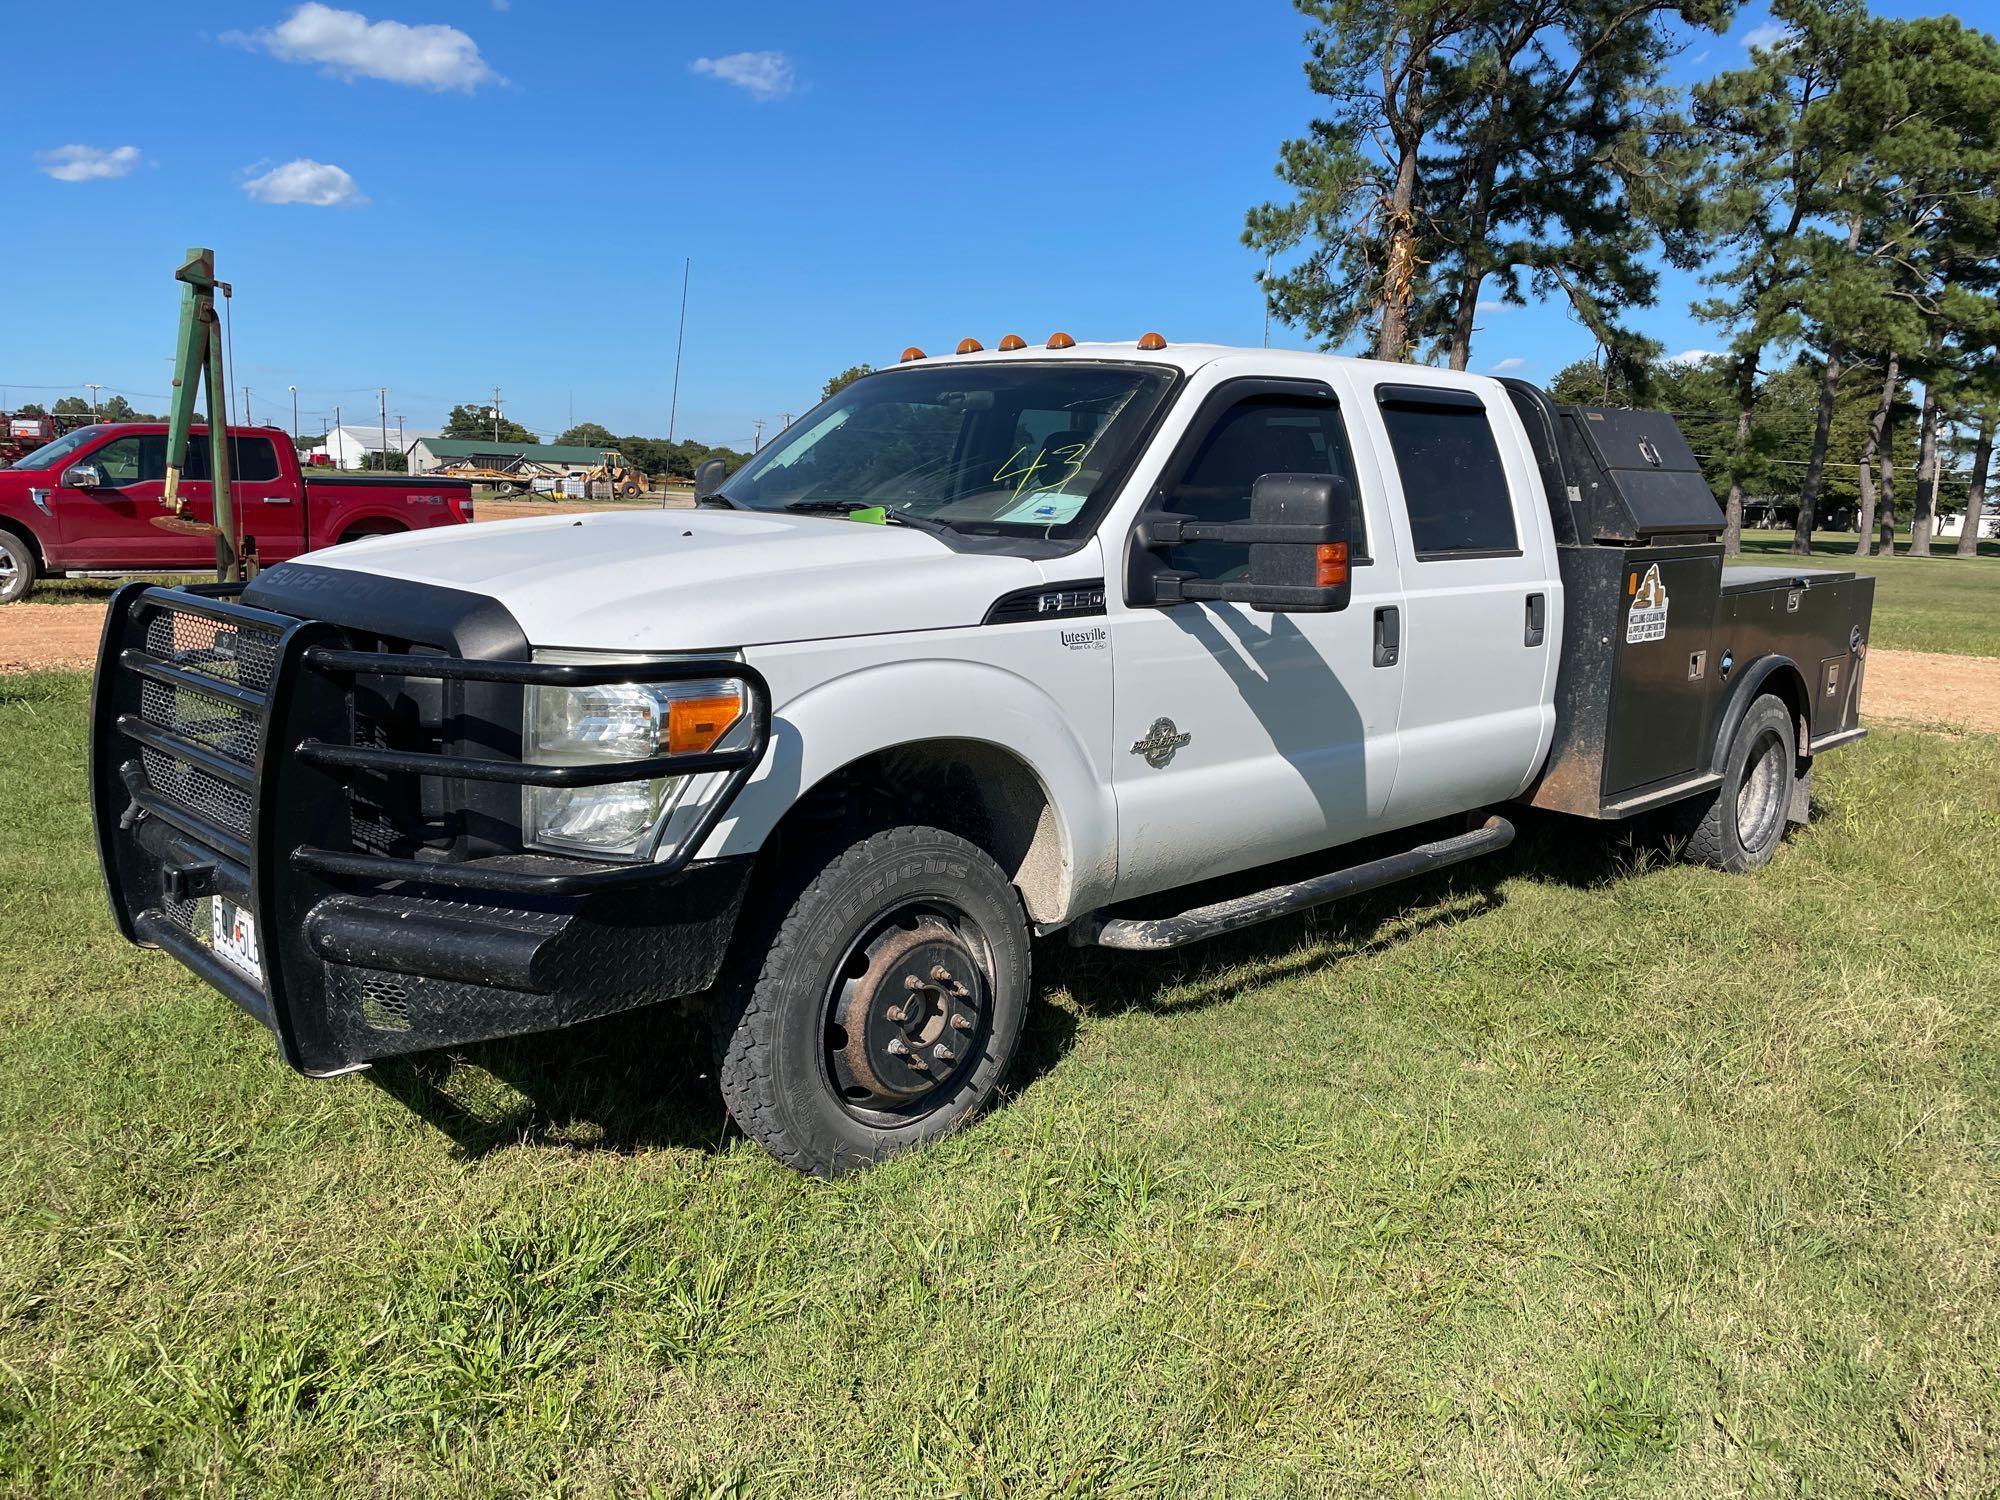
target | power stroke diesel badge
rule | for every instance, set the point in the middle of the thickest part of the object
(1160, 742)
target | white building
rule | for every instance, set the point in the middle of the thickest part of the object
(353, 445)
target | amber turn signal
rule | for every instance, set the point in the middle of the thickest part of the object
(913, 352)
(969, 346)
(1061, 341)
(1012, 342)
(1152, 341)
(1331, 569)
(695, 724)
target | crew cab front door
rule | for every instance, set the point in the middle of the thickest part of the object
(1242, 736)
(111, 525)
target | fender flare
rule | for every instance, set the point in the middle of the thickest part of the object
(349, 520)
(1750, 682)
(27, 533)
(874, 708)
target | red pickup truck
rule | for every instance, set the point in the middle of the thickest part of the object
(87, 503)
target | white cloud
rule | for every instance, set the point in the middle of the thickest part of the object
(1693, 357)
(346, 44)
(1507, 366)
(314, 183)
(1770, 34)
(1485, 306)
(761, 75)
(88, 163)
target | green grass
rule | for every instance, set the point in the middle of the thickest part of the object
(1568, 1173)
(1936, 603)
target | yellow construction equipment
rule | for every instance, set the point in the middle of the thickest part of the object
(623, 480)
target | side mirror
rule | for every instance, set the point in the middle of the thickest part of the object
(1298, 536)
(708, 477)
(82, 477)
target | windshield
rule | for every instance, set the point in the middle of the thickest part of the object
(1000, 450)
(50, 454)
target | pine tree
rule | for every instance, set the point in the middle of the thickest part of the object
(1920, 112)
(1473, 141)
(1764, 132)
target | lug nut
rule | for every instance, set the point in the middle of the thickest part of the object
(894, 1012)
(943, 1053)
(941, 974)
(961, 1023)
(920, 1065)
(959, 990)
(911, 982)
(896, 1047)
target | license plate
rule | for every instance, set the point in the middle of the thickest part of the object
(234, 938)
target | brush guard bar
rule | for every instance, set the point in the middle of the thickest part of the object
(224, 763)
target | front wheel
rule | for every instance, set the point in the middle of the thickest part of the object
(17, 567)
(1738, 825)
(883, 1006)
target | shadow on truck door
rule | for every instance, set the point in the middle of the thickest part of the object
(643, 1081)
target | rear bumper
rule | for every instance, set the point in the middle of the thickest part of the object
(206, 786)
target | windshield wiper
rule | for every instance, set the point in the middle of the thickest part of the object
(848, 507)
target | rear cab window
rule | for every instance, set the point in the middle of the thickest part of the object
(1455, 488)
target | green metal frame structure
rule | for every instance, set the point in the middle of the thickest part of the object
(198, 355)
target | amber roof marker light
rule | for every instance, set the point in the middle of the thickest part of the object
(1151, 341)
(1061, 341)
(913, 352)
(1012, 342)
(969, 346)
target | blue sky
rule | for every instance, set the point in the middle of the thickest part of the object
(505, 195)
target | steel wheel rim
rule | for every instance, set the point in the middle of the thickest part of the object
(10, 570)
(1760, 802)
(892, 1051)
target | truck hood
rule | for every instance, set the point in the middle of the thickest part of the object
(688, 580)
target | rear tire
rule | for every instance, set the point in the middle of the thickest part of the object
(882, 1004)
(17, 567)
(371, 528)
(1738, 826)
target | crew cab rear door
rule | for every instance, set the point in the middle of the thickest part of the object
(1481, 594)
(270, 504)
(1247, 736)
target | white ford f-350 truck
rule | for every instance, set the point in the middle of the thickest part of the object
(985, 647)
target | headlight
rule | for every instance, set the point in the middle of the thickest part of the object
(621, 721)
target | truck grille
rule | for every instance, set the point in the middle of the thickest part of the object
(233, 654)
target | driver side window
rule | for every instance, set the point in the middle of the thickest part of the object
(131, 460)
(1259, 435)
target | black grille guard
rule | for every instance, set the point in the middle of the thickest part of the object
(269, 731)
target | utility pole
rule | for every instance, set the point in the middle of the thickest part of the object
(757, 442)
(382, 400)
(248, 420)
(402, 445)
(496, 413)
(295, 414)
(340, 460)
(93, 389)
(680, 338)
(784, 421)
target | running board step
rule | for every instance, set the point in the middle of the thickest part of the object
(1495, 834)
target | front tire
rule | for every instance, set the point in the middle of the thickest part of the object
(1738, 826)
(882, 1006)
(17, 566)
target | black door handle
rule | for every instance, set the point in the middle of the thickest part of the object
(1388, 635)
(1538, 620)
